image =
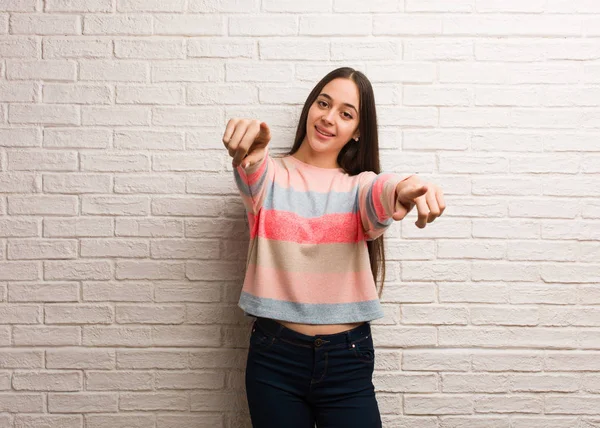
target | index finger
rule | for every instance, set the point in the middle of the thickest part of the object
(229, 131)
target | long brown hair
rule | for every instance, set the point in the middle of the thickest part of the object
(354, 157)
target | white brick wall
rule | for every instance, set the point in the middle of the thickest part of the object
(122, 238)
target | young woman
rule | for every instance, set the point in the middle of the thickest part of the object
(317, 217)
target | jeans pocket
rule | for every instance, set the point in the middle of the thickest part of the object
(259, 340)
(364, 350)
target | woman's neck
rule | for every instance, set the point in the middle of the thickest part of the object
(321, 160)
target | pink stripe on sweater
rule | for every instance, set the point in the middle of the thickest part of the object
(309, 287)
(329, 228)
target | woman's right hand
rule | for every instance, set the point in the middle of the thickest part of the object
(246, 140)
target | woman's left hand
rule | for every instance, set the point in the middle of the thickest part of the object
(428, 198)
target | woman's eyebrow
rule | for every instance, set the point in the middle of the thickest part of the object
(346, 104)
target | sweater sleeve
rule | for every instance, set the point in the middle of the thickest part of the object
(377, 201)
(252, 182)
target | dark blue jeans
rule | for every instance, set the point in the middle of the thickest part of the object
(294, 380)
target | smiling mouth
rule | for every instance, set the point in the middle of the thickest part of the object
(326, 135)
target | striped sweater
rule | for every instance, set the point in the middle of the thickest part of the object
(307, 259)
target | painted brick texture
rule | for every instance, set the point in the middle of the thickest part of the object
(123, 239)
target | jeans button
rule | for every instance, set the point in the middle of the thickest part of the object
(318, 342)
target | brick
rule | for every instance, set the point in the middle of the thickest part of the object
(20, 137)
(76, 94)
(21, 403)
(115, 116)
(65, 47)
(183, 335)
(46, 336)
(127, 24)
(125, 248)
(46, 160)
(119, 421)
(20, 314)
(546, 208)
(149, 140)
(437, 405)
(21, 359)
(301, 49)
(114, 162)
(114, 71)
(311, 25)
(197, 206)
(18, 183)
(122, 291)
(150, 49)
(184, 116)
(227, 6)
(427, 360)
(493, 141)
(506, 186)
(152, 359)
(117, 336)
(187, 292)
(220, 94)
(45, 24)
(76, 183)
(24, 228)
(512, 361)
(47, 381)
(188, 25)
(18, 6)
(43, 114)
(184, 249)
(505, 272)
(149, 227)
(407, 24)
(78, 314)
(264, 25)
(482, 383)
(77, 138)
(440, 6)
(150, 184)
(151, 94)
(150, 270)
(151, 6)
(189, 380)
(188, 71)
(511, 25)
(154, 401)
(19, 47)
(208, 47)
(119, 381)
(79, 5)
(238, 72)
(82, 402)
(155, 314)
(77, 270)
(34, 421)
(80, 358)
(115, 205)
(292, 6)
(31, 249)
(502, 337)
(44, 292)
(509, 404)
(78, 227)
(504, 316)
(42, 205)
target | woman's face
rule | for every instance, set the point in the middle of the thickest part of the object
(335, 112)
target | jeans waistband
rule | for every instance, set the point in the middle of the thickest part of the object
(343, 338)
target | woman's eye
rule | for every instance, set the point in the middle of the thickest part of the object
(348, 115)
(322, 102)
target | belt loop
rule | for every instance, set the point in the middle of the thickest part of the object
(348, 340)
